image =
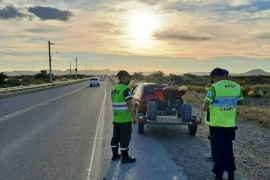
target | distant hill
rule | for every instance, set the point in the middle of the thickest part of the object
(255, 72)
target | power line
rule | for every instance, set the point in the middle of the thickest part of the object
(8, 53)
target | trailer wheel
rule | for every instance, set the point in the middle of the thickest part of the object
(152, 109)
(192, 129)
(186, 112)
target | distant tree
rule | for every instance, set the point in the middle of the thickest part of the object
(43, 72)
(2, 78)
(177, 80)
(157, 74)
(42, 75)
(138, 76)
(190, 75)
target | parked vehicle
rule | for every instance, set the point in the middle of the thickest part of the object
(94, 81)
(102, 78)
(153, 101)
(142, 94)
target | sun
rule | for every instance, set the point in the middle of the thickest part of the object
(142, 25)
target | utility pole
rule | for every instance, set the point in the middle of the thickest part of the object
(91, 71)
(50, 59)
(85, 70)
(70, 70)
(76, 60)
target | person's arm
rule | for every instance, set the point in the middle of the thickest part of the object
(205, 107)
(128, 97)
(240, 99)
(131, 110)
(208, 100)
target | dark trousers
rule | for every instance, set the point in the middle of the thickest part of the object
(122, 135)
(222, 149)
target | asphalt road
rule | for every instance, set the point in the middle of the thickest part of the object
(49, 134)
(64, 133)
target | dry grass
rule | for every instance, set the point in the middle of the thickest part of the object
(260, 115)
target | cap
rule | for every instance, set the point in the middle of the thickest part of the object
(216, 72)
(225, 72)
(122, 73)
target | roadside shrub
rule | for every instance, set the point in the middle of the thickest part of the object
(13, 82)
(255, 94)
(2, 78)
(27, 81)
(41, 81)
(246, 89)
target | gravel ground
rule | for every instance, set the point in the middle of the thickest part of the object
(251, 149)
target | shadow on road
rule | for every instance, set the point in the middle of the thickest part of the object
(186, 151)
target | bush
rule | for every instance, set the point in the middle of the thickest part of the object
(2, 78)
(28, 81)
(12, 82)
(254, 94)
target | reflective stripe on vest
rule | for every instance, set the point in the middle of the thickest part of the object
(119, 106)
(225, 101)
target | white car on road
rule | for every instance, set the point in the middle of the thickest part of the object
(94, 81)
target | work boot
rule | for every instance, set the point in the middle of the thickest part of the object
(218, 177)
(126, 158)
(115, 156)
(231, 175)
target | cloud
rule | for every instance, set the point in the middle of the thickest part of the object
(263, 36)
(221, 7)
(150, 2)
(116, 10)
(48, 13)
(254, 6)
(10, 12)
(179, 36)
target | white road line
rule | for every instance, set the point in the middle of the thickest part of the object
(95, 140)
(35, 106)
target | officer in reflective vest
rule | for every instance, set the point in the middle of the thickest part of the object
(226, 75)
(221, 104)
(123, 116)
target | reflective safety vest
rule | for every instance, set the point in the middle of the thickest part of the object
(222, 112)
(121, 113)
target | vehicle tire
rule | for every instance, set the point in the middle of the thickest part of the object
(140, 127)
(152, 109)
(192, 129)
(179, 104)
(178, 113)
(186, 112)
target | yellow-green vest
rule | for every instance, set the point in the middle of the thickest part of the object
(223, 109)
(121, 113)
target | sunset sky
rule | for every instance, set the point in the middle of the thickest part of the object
(173, 36)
